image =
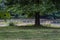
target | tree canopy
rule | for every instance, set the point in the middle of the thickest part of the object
(29, 7)
(21, 6)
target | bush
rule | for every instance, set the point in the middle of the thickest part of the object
(11, 24)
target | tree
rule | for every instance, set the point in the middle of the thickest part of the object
(35, 7)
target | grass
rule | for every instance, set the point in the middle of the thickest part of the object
(29, 33)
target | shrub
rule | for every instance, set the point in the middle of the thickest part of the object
(11, 24)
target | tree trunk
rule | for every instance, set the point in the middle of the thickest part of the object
(37, 19)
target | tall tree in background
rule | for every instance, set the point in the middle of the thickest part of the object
(31, 7)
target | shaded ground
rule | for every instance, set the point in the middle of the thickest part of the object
(29, 33)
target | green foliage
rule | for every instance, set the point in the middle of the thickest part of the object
(23, 6)
(29, 7)
(5, 15)
(57, 4)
